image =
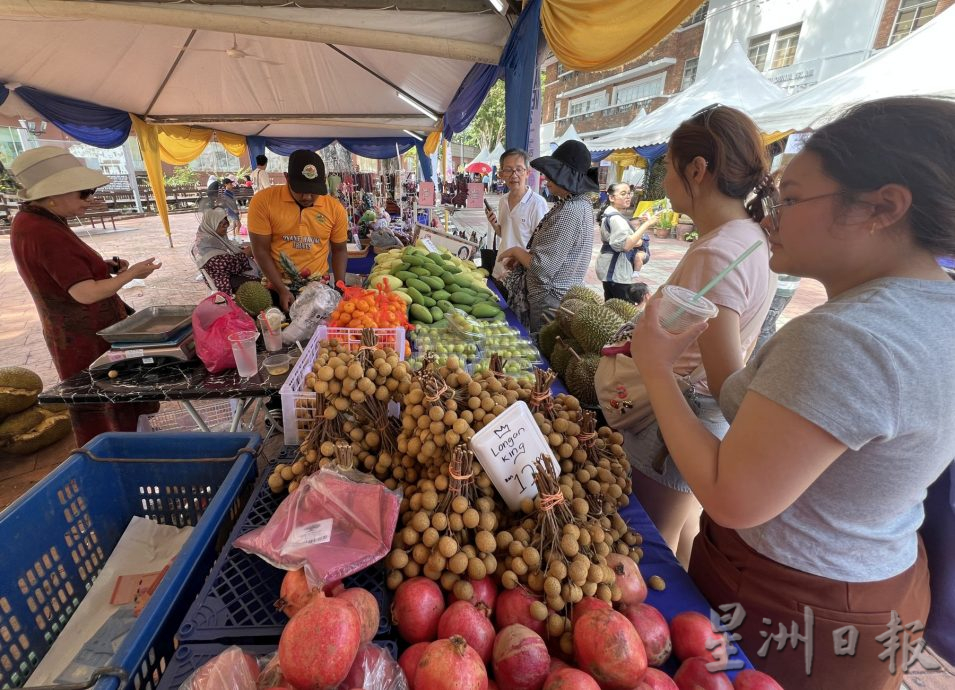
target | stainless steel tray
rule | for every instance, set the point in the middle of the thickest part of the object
(150, 325)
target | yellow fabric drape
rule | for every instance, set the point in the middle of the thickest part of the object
(627, 157)
(589, 36)
(148, 139)
(180, 144)
(431, 143)
(775, 136)
(233, 143)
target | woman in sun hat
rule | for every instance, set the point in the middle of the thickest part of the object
(73, 287)
(560, 248)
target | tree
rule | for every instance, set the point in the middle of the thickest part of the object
(487, 127)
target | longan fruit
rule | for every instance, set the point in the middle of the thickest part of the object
(430, 537)
(463, 590)
(471, 518)
(459, 504)
(538, 611)
(395, 578)
(458, 563)
(476, 569)
(447, 546)
(509, 579)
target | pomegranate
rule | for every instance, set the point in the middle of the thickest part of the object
(520, 659)
(557, 664)
(485, 592)
(513, 606)
(294, 593)
(417, 608)
(655, 679)
(652, 628)
(607, 646)
(470, 622)
(690, 632)
(409, 661)
(587, 604)
(319, 643)
(570, 679)
(367, 607)
(633, 590)
(693, 675)
(372, 665)
(748, 679)
(491, 685)
(450, 665)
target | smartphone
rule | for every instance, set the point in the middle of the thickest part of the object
(487, 205)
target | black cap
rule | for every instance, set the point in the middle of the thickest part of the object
(306, 173)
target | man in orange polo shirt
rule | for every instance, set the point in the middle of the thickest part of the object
(300, 220)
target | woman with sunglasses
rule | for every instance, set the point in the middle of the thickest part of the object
(714, 161)
(73, 287)
(615, 267)
(842, 420)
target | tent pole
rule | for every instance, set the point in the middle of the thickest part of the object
(210, 20)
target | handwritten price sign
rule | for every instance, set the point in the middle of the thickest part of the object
(507, 449)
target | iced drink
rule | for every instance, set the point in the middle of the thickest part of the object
(679, 311)
(243, 348)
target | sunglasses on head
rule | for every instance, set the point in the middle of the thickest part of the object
(86, 194)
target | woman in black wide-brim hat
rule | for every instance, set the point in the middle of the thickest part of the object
(560, 248)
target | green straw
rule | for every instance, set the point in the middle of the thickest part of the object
(716, 279)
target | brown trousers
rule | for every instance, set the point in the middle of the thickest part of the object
(728, 571)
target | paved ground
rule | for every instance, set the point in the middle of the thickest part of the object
(21, 342)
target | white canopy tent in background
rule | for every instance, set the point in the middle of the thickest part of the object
(915, 66)
(733, 81)
(482, 157)
(297, 72)
(569, 135)
(495, 156)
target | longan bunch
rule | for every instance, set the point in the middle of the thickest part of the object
(315, 451)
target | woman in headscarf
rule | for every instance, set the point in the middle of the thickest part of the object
(226, 263)
(73, 287)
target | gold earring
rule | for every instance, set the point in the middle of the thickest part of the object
(52, 203)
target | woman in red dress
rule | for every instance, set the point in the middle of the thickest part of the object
(72, 285)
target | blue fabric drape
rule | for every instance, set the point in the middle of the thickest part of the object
(377, 147)
(89, 123)
(425, 161)
(519, 62)
(284, 146)
(4, 92)
(651, 153)
(469, 97)
(597, 156)
(256, 146)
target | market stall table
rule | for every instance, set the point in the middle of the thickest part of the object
(179, 381)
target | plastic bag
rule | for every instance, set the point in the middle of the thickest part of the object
(309, 310)
(335, 524)
(213, 320)
(231, 670)
(374, 669)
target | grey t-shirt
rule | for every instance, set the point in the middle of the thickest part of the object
(873, 367)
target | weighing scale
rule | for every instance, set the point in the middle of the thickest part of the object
(122, 356)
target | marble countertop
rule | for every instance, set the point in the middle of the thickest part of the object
(175, 381)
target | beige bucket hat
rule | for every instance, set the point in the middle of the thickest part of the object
(48, 170)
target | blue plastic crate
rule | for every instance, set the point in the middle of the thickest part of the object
(237, 602)
(188, 658)
(58, 536)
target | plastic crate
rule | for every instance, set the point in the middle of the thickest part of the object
(237, 602)
(297, 405)
(59, 535)
(188, 658)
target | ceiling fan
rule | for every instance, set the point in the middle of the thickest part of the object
(235, 52)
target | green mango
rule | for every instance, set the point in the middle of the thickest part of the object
(405, 276)
(445, 305)
(463, 297)
(440, 294)
(436, 314)
(420, 271)
(416, 296)
(435, 282)
(483, 310)
(420, 313)
(413, 260)
(419, 285)
(429, 301)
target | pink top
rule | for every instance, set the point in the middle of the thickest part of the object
(748, 289)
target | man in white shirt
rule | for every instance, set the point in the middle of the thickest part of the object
(260, 178)
(518, 213)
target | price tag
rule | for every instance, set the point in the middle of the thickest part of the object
(426, 241)
(508, 450)
(135, 354)
(316, 533)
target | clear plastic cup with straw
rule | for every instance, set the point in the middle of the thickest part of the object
(271, 336)
(681, 308)
(243, 348)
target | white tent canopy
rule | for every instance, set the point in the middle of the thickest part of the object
(569, 135)
(733, 81)
(495, 156)
(482, 157)
(296, 71)
(913, 66)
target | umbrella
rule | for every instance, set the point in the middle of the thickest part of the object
(479, 168)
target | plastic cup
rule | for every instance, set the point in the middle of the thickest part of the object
(679, 311)
(277, 365)
(243, 348)
(272, 338)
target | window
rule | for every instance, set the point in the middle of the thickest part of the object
(561, 70)
(10, 145)
(588, 104)
(759, 51)
(697, 16)
(784, 53)
(912, 14)
(689, 72)
(639, 90)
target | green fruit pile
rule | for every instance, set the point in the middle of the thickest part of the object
(435, 283)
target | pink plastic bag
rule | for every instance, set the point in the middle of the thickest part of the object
(233, 669)
(243, 230)
(374, 669)
(213, 320)
(333, 525)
